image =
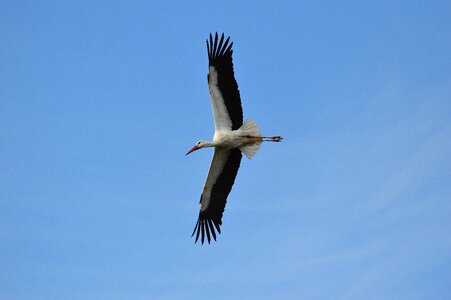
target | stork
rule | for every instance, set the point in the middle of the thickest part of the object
(231, 138)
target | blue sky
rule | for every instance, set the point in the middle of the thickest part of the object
(99, 102)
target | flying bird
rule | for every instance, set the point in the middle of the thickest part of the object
(231, 138)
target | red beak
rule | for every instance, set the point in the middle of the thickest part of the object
(192, 150)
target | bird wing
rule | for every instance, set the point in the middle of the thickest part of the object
(221, 176)
(224, 93)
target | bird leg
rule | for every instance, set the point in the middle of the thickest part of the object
(276, 139)
(256, 139)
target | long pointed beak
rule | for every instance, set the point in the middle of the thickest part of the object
(192, 150)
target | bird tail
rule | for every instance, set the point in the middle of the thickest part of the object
(250, 128)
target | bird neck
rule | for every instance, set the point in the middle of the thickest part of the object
(208, 144)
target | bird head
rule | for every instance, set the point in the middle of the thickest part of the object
(199, 145)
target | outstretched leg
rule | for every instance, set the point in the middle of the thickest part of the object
(259, 139)
(276, 139)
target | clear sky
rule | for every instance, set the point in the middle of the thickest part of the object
(99, 102)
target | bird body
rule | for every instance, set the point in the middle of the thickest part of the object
(235, 138)
(232, 137)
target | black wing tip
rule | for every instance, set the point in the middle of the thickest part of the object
(205, 228)
(216, 50)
